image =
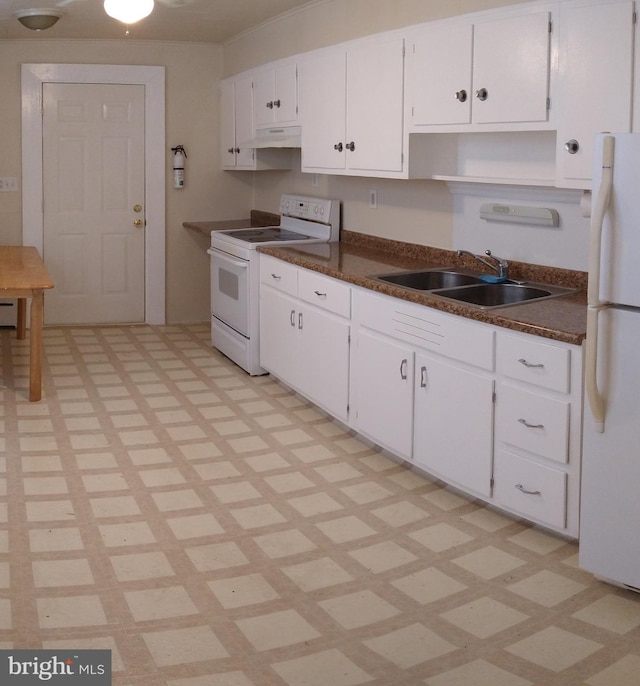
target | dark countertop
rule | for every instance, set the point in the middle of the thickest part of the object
(257, 218)
(357, 256)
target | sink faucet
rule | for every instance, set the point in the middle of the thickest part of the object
(498, 264)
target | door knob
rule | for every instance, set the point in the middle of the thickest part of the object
(461, 96)
(350, 146)
(138, 222)
(482, 94)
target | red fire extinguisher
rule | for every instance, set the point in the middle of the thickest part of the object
(179, 156)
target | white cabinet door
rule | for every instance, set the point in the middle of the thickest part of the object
(228, 124)
(323, 110)
(375, 89)
(439, 74)
(382, 382)
(323, 359)
(237, 123)
(279, 334)
(276, 95)
(596, 71)
(511, 69)
(454, 424)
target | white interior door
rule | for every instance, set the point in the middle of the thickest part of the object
(94, 189)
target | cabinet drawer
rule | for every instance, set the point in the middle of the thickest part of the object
(281, 275)
(533, 422)
(324, 292)
(532, 361)
(533, 490)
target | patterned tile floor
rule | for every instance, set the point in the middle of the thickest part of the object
(213, 529)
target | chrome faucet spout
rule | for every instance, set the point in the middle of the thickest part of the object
(500, 266)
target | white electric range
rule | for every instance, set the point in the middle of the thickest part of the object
(235, 272)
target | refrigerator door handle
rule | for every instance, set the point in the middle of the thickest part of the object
(603, 199)
(596, 401)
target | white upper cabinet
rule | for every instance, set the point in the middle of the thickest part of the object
(237, 123)
(596, 72)
(276, 95)
(237, 130)
(495, 71)
(351, 102)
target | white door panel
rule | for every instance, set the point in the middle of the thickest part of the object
(93, 162)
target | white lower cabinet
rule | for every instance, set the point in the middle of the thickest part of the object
(453, 436)
(304, 333)
(423, 388)
(493, 412)
(538, 429)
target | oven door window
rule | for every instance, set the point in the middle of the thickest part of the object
(230, 291)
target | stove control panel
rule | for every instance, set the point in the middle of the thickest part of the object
(313, 209)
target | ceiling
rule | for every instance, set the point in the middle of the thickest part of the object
(197, 21)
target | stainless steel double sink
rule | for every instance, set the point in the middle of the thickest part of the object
(472, 288)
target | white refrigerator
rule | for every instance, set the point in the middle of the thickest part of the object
(610, 497)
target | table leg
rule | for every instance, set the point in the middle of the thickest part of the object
(21, 323)
(35, 339)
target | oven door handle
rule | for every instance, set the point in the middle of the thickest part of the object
(243, 264)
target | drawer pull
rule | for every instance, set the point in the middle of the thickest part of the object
(423, 377)
(531, 426)
(522, 489)
(530, 365)
(276, 277)
(403, 370)
(320, 295)
(292, 318)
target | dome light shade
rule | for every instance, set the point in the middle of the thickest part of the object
(128, 11)
(38, 19)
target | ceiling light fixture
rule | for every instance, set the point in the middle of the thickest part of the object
(38, 19)
(128, 11)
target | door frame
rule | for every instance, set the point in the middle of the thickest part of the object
(153, 79)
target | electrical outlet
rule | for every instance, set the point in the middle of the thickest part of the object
(8, 183)
(314, 180)
(373, 198)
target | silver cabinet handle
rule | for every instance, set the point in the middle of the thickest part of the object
(270, 104)
(403, 369)
(530, 365)
(572, 146)
(522, 489)
(531, 426)
(292, 318)
(461, 96)
(338, 147)
(276, 277)
(350, 146)
(423, 377)
(320, 295)
(276, 103)
(482, 94)
(300, 320)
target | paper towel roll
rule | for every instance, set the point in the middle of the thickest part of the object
(585, 204)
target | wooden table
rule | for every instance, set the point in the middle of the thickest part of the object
(23, 275)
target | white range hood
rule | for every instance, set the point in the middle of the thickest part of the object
(276, 137)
